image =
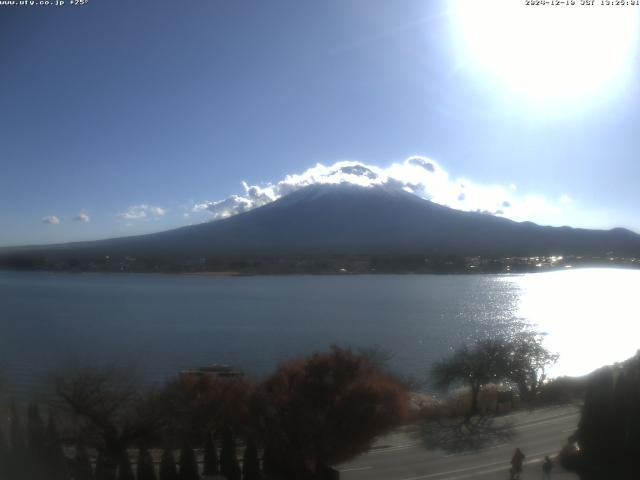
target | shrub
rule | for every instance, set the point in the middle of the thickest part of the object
(327, 409)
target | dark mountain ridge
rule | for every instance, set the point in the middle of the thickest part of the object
(349, 220)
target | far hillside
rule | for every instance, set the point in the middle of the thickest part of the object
(326, 228)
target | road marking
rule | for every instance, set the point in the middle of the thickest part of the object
(472, 471)
(354, 469)
(542, 422)
(393, 448)
(492, 470)
(473, 452)
(537, 457)
(439, 474)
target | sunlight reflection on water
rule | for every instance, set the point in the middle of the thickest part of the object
(591, 315)
(166, 323)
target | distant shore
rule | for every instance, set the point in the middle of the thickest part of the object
(214, 274)
(317, 264)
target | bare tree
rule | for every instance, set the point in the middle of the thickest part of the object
(108, 409)
(519, 357)
(475, 366)
(528, 363)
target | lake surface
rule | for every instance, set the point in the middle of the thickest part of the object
(166, 323)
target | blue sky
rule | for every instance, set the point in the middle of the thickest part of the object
(124, 117)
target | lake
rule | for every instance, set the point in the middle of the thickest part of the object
(165, 323)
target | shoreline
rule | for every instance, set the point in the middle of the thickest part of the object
(340, 273)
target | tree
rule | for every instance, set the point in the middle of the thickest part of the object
(528, 363)
(484, 362)
(326, 409)
(188, 464)
(56, 460)
(168, 470)
(250, 462)
(145, 470)
(194, 406)
(211, 466)
(607, 441)
(518, 357)
(108, 409)
(125, 472)
(36, 443)
(228, 458)
(4, 457)
(106, 467)
(17, 461)
(82, 464)
(270, 463)
(15, 431)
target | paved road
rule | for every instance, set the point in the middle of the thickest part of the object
(402, 456)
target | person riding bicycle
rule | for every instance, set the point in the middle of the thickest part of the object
(547, 466)
(516, 464)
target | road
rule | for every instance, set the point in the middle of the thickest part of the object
(402, 455)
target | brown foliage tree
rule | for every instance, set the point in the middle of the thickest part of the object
(327, 409)
(196, 405)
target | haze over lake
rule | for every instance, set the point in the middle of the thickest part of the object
(166, 323)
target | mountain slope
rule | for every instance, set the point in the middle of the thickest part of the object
(345, 219)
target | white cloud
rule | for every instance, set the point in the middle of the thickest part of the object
(142, 213)
(418, 175)
(253, 197)
(82, 217)
(51, 220)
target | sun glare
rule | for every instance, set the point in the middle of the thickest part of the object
(545, 52)
(589, 314)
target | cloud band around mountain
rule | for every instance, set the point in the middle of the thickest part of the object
(419, 175)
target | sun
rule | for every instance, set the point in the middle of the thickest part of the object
(547, 52)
